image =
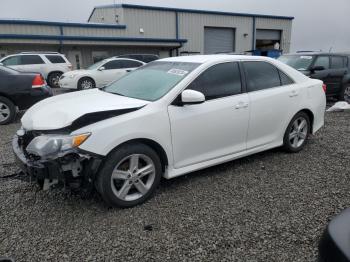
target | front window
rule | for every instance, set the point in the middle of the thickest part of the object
(298, 62)
(97, 65)
(152, 81)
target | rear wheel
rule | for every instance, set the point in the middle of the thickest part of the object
(86, 83)
(129, 176)
(53, 79)
(297, 133)
(345, 94)
(7, 111)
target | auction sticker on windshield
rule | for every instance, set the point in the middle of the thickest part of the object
(306, 57)
(178, 72)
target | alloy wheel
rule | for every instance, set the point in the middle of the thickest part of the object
(133, 177)
(86, 84)
(298, 132)
(4, 112)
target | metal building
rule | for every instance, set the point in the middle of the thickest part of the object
(120, 29)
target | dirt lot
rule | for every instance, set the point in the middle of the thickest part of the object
(268, 207)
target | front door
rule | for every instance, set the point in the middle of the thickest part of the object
(215, 128)
(75, 58)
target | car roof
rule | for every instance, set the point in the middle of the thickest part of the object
(121, 58)
(212, 58)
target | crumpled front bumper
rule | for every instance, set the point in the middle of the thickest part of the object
(55, 171)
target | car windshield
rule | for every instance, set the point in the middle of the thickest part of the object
(298, 62)
(97, 65)
(151, 81)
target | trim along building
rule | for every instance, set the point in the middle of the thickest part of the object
(125, 28)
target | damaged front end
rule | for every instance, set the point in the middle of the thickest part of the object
(55, 160)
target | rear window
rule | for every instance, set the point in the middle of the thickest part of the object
(56, 59)
(338, 62)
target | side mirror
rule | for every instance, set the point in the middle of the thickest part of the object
(335, 242)
(102, 68)
(192, 97)
(317, 68)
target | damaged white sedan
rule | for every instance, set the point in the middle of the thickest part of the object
(168, 118)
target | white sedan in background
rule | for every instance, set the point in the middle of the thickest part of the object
(99, 74)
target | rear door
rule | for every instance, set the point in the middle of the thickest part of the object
(33, 64)
(273, 96)
(215, 128)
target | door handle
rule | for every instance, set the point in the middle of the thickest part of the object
(293, 93)
(241, 105)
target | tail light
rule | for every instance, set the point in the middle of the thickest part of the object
(38, 81)
(324, 87)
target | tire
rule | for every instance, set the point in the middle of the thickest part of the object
(345, 94)
(295, 142)
(7, 111)
(129, 186)
(53, 79)
(86, 83)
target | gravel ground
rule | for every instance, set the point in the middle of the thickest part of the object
(271, 206)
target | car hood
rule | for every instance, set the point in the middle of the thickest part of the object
(61, 111)
(77, 72)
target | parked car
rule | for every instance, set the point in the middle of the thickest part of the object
(146, 58)
(168, 118)
(332, 68)
(99, 74)
(50, 65)
(334, 245)
(19, 90)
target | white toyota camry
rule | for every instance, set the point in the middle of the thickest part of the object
(168, 118)
(99, 74)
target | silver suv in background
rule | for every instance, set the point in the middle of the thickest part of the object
(51, 65)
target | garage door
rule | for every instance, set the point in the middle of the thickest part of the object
(262, 34)
(219, 40)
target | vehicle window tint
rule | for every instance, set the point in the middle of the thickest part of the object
(322, 61)
(31, 60)
(12, 61)
(130, 64)
(337, 62)
(116, 64)
(56, 59)
(218, 81)
(261, 75)
(285, 80)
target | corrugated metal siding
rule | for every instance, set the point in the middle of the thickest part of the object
(278, 24)
(29, 29)
(156, 24)
(191, 27)
(83, 31)
(107, 15)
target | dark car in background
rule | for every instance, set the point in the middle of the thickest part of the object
(332, 68)
(146, 58)
(19, 91)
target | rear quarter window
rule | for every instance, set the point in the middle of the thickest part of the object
(56, 59)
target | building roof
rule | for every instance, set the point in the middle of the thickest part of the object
(197, 11)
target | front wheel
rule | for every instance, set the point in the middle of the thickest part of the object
(86, 83)
(129, 176)
(297, 133)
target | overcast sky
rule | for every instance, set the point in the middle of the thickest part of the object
(318, 24)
